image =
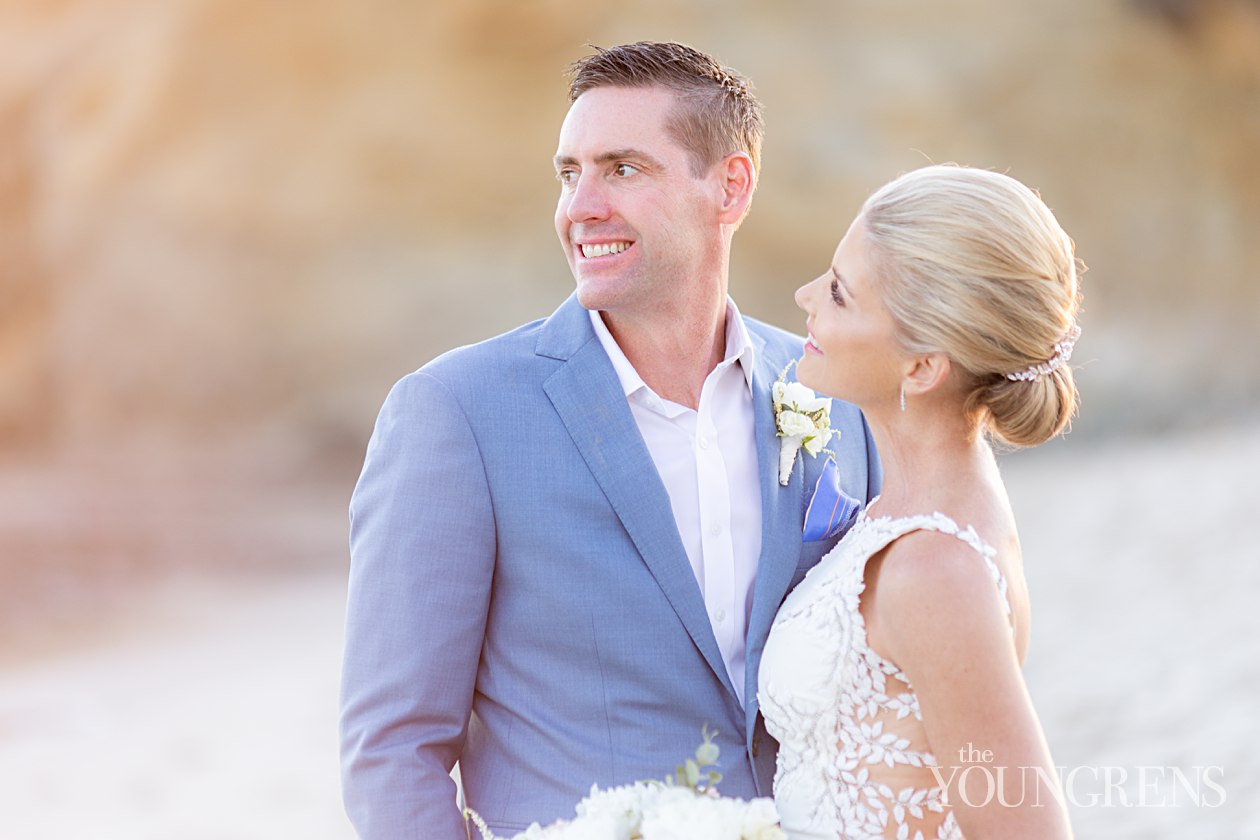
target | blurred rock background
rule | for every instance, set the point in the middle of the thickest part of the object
(233, 225)
(227, 227)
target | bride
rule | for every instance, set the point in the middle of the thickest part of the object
(891, 677)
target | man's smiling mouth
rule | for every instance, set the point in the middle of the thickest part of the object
(603, 249)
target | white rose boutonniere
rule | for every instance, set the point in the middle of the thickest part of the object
(802, 420)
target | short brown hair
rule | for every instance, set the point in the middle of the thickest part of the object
(717, 114)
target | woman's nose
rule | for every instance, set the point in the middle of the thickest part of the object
(802, 295)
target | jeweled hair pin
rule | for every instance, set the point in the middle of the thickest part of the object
(1062, 353)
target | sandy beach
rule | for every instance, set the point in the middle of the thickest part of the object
(1143, 574)
(207, 713)
(204, 707)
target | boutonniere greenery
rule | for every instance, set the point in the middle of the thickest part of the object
(802, 420)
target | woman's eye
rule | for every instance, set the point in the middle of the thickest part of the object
(835, 293)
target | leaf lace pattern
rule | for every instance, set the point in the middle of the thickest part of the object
(854, 761)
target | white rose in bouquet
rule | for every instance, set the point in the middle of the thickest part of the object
(761, 821)
(692, 817)
(684, 807)
(624, 806)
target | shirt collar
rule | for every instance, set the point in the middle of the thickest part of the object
(739, 348)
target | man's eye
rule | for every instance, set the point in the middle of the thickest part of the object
(566, 176)
(624, 169)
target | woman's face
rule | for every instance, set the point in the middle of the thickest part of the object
(852, 351)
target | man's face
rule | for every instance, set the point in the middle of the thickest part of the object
(639, 230)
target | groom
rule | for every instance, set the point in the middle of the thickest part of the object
(568, 542)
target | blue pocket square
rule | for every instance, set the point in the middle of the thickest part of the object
(831, 510)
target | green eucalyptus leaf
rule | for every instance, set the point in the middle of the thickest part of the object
(693, 773)
(707, 753)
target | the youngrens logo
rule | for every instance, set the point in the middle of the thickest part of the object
(977, 781)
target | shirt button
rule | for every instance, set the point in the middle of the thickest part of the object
(715, 530)
(719, 616)
(704, 442)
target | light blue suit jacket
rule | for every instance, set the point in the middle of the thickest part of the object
(521, 602)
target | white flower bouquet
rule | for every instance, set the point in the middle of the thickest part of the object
(686, 806)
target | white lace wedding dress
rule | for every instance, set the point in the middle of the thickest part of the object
(853, 757)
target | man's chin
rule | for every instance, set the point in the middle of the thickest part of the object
(592, 297)
(588, 300)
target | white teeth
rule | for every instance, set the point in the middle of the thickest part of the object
(604, 249)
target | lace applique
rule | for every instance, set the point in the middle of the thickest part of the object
(853, 757)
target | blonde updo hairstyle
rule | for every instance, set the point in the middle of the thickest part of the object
(971, 263)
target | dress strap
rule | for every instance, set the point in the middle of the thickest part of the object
(986, 551)
(938, 521)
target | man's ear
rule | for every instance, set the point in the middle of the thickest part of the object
(926, 373)
(738, 180)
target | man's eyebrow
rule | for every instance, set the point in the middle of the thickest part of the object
(611, 156)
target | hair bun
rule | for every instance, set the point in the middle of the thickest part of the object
(1028, 412)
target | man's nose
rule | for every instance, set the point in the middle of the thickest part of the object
(589, 200)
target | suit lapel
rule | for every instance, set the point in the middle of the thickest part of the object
(781, 509)
(587, 395)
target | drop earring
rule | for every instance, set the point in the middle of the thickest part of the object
(903, 397)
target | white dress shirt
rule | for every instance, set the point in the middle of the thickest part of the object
(707, 459)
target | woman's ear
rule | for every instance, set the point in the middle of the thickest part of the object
(926, 373)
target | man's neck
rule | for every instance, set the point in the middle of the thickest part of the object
(673, 354)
